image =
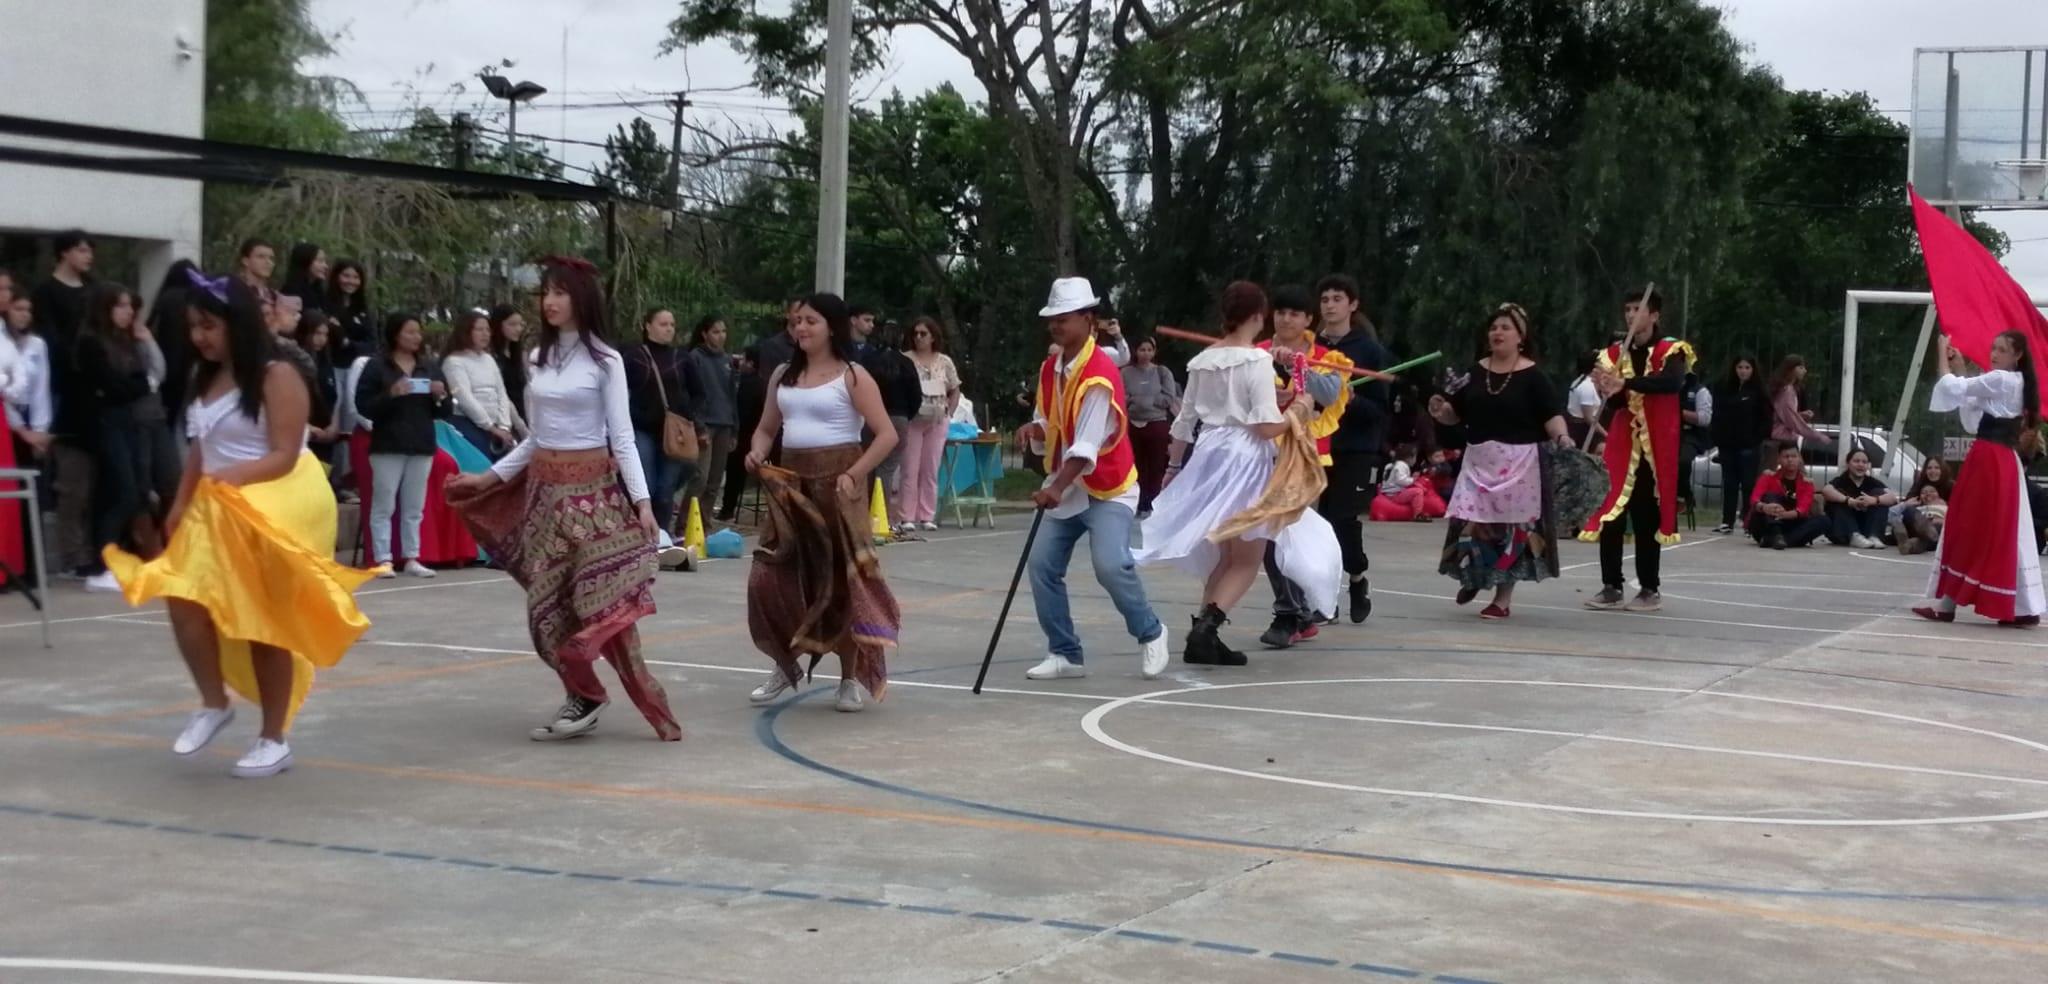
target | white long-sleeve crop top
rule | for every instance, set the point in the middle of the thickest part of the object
(575, 403)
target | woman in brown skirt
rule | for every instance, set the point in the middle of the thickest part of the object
(567, 514)
(816, 586)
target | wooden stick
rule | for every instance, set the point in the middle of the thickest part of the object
(1196, 336)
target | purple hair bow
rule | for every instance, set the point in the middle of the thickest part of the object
(216, 286)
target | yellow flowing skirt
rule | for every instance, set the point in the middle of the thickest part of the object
(260, 559)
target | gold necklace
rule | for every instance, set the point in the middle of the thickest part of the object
(1504, 380)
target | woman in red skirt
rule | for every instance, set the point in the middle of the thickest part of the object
(1986, 559)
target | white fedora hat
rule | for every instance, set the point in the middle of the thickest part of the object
(1070, 294)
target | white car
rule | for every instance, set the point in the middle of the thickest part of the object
(1896, 471)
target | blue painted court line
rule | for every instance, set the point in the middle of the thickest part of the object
(765, 733)
(598, 878)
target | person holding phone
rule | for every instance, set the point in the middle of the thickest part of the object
(399, 394)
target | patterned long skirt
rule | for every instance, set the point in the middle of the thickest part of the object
(566, 533)
(816, 586)
(1502, 519)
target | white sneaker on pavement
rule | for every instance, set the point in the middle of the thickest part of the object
(265, 758)
(772, 688)
(201, 729)
(1056, 668)
(414, 568)
(1156, 657)
(852, 697)
(103, 583)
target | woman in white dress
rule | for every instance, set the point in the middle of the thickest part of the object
(1231, 415)
(1986, 558)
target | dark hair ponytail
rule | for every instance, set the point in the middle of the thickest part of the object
(2023, 363)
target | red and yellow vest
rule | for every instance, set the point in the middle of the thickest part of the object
(1647, 428)
(1326, 420)
(1059, 405)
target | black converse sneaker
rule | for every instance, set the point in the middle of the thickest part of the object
(577, 717)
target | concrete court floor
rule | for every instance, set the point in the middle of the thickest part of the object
(1783, 777)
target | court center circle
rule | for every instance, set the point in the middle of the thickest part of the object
(1091, 724)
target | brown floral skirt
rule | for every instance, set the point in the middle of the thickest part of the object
(566, 533)
(816, 586)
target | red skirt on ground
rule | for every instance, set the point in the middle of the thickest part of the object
(1979, 560)
(443, 538)
(13, 535)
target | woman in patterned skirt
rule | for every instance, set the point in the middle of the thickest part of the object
(567, 511)
(816, 586)
(1503, 524)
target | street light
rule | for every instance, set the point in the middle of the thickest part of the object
(513, 93)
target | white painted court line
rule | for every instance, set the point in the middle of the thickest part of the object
(82, 618)
(372, 592)
(1860, 555)
(1092, 725)
(1630, 555)
(1700, 579)
(219, 973)
(500, 579)
(2008, 639)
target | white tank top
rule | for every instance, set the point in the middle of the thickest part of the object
(225, 434)
(819, 417)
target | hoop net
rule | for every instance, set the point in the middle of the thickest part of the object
(2030, 174)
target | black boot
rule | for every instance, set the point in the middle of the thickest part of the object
(1201, 645)
(1361, 600)
(1211, 621)
(1280, 634)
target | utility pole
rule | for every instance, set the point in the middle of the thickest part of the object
(675, 175)
(831, 271)
(462, 145)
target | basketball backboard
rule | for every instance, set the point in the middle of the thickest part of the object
(1980, 126)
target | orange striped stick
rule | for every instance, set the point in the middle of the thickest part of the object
(1196, 336)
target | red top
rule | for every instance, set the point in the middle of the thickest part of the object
(1775, 482)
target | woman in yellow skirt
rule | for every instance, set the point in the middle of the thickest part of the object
(255, 597)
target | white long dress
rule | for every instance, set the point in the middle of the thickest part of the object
(1229, 390)
(1998, 393)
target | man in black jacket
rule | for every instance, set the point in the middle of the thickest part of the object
(60, 313)
(1357, 450)
(894, 375)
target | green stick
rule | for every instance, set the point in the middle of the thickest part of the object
(1405, 366)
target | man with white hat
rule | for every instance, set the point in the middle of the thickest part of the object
(1081, 427)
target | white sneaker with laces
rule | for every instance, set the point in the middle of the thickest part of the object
(201, 729)
(1056, 668)
(103, 583)
(852, 697)
(671, 557)
(414, 568)
(1861, 542)
(265, 758)
(772, 688)
(1156, 657)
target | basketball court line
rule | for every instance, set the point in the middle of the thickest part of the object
(218, 973)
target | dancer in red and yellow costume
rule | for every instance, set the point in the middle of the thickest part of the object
(1325, 383)
(1082, 428)
(1640, 379)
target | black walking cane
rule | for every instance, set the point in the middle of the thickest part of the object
(1022, 559)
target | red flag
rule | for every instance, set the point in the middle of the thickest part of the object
(1973, 295)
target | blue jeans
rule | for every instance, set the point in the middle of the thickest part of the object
(665, 476)
(1108, 526)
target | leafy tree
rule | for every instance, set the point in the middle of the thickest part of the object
(637, 163)
(255, 90)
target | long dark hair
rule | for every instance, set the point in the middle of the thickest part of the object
(704, 326)
(501, 346)
(464, 329)
(298, 273)
(1785, 376)
(167, 312)
(99, 322)
(838, 322)
(1734, 382)
(2024, 365)
(394, 326)
(347, 305)
(578, 279)
(251, 346)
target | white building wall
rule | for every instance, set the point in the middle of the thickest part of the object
(133, 64)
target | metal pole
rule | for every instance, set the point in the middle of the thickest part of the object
(1844, 432)
(512, 126)
(831, 270)
(675, 174)
(1891, 437)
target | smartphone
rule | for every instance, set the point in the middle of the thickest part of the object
(421, 387)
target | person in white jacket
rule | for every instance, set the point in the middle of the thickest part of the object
(484, 411)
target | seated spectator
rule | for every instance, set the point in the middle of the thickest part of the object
(1403, 496)
(1857, 505)
(1918, 518)
(1781, 510)
(1443, 471)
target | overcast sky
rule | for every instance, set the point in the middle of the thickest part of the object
(612, 50)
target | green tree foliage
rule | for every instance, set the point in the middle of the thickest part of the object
(256, 92)
(637, 163)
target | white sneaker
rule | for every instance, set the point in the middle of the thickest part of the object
(1859, 541)
(576, 718)
(1156, 657)
(201, 729)
(772, 688)
(414, 568)
(852, 697)
(672, 557)
(1056, 668)
(928, 526)
(265, 758)
(103, 583)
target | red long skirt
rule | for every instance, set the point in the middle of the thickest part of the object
(1979, 560)
(13, 533)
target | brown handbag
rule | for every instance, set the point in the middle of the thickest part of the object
(678, 435)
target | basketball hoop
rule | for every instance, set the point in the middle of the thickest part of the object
(2030, 174)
